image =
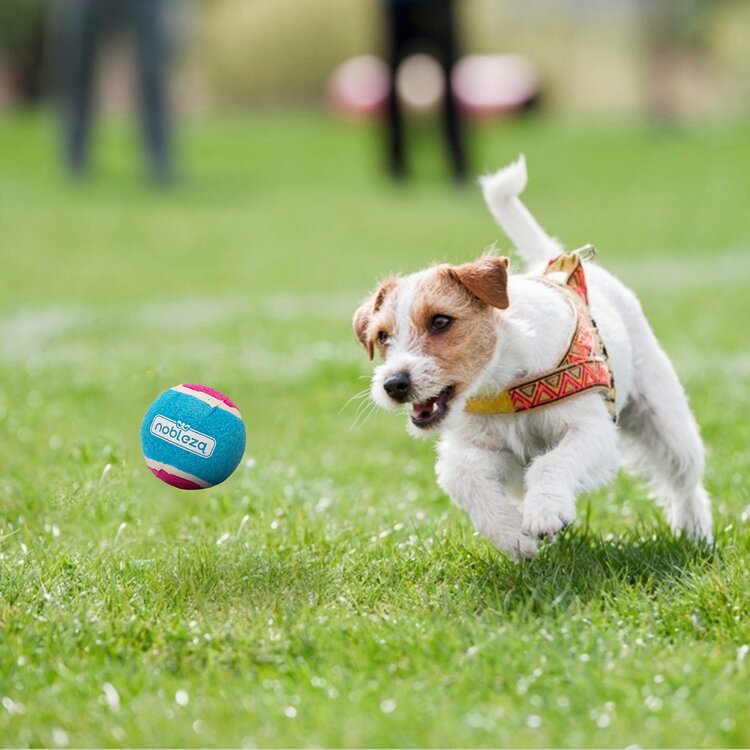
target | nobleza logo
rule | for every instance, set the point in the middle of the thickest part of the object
(181, 435)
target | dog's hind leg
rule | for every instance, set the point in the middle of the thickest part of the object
(660, 439)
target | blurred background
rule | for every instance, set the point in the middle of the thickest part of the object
(687, 58)
(209, 153)
(202, 191)
(673, 60)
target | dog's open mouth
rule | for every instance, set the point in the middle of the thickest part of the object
(429, 413)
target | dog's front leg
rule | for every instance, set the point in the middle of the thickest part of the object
(584, 459)
(475, 480)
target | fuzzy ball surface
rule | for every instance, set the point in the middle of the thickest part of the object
(193, 437)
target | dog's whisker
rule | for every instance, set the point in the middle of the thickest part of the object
(361, 407)
(356, 397)
(364, 412)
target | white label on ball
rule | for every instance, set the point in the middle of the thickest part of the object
(183, 436)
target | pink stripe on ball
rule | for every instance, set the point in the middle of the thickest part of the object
(179, 482)
(218, 395)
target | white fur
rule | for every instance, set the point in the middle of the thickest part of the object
(518, 476)
(501, 191)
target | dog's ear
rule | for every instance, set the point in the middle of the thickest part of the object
(361, 325)
(486, 279)
(363, 316)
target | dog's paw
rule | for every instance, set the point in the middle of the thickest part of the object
(523, 548)
(518, 546)
(545, 515)
(692, 518)
(515, 543)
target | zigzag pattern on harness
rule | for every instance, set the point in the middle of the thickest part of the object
(584, 366)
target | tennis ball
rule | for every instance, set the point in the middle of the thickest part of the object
(193, 437)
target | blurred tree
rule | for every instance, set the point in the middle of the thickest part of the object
(677, 39)
(22, 45)
(270, 52)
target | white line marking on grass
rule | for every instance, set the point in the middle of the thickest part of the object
(682, 271)
(268, 335)
(98, 340)
(31, 327)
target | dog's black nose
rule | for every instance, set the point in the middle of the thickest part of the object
(397, 386)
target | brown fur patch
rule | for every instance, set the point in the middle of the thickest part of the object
(381, 293)
(463, 349)
(486, 279)
(364, 318)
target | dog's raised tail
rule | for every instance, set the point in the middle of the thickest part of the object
(501, 191)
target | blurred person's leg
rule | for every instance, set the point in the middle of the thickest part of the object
(452, 125)
(435, 22)
(83, 22)
(148, 21)
(453, 128)
(430, 25)
(399, 31)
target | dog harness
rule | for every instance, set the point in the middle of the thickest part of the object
(584, 366)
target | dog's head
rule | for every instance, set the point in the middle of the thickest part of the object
(436, 332)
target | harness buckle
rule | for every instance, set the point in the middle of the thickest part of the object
(587, 252)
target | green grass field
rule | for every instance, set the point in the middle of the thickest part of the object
(329, 594)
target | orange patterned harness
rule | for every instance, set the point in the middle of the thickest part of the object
(583, 367)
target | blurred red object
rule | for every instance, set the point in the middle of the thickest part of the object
(484, 85)
(494, 85)
(358, 88)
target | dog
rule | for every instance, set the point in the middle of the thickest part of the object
(539, 384)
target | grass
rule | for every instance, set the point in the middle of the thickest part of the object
(329, 594)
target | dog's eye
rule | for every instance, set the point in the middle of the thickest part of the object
(440, 323)
(383, 338)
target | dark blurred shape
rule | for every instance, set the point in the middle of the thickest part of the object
(425, 26)
(22, 45)
(80, 28)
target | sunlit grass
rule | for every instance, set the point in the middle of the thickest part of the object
(328, 593)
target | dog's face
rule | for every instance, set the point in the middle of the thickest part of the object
(436, 332)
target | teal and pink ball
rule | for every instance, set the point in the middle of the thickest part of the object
(193, 437)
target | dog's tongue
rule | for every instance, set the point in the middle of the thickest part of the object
(424, 410)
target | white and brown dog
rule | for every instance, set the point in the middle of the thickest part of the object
(475, 354)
